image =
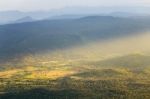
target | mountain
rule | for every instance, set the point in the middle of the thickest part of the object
(125, 14)
(103, 10)
(10, 16)
(66, 17)
(61, 34)
(75, 58)
(7, 17)
(24, 19)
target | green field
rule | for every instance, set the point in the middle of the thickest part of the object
(122, 77)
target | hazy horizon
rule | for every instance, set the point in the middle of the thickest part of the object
(74, 49)
(46, 5)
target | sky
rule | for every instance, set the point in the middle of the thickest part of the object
(36, 5)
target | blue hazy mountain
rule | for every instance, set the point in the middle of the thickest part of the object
(24, 19)
(7, 17)
(32, 37)
(66, 17)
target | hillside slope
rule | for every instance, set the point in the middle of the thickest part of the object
(32, 37)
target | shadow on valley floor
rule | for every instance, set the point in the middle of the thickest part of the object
(40, 93)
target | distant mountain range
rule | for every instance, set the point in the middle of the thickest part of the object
(24, 19)
(32, 37)
(7, 17)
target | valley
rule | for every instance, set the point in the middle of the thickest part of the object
(96, 57)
